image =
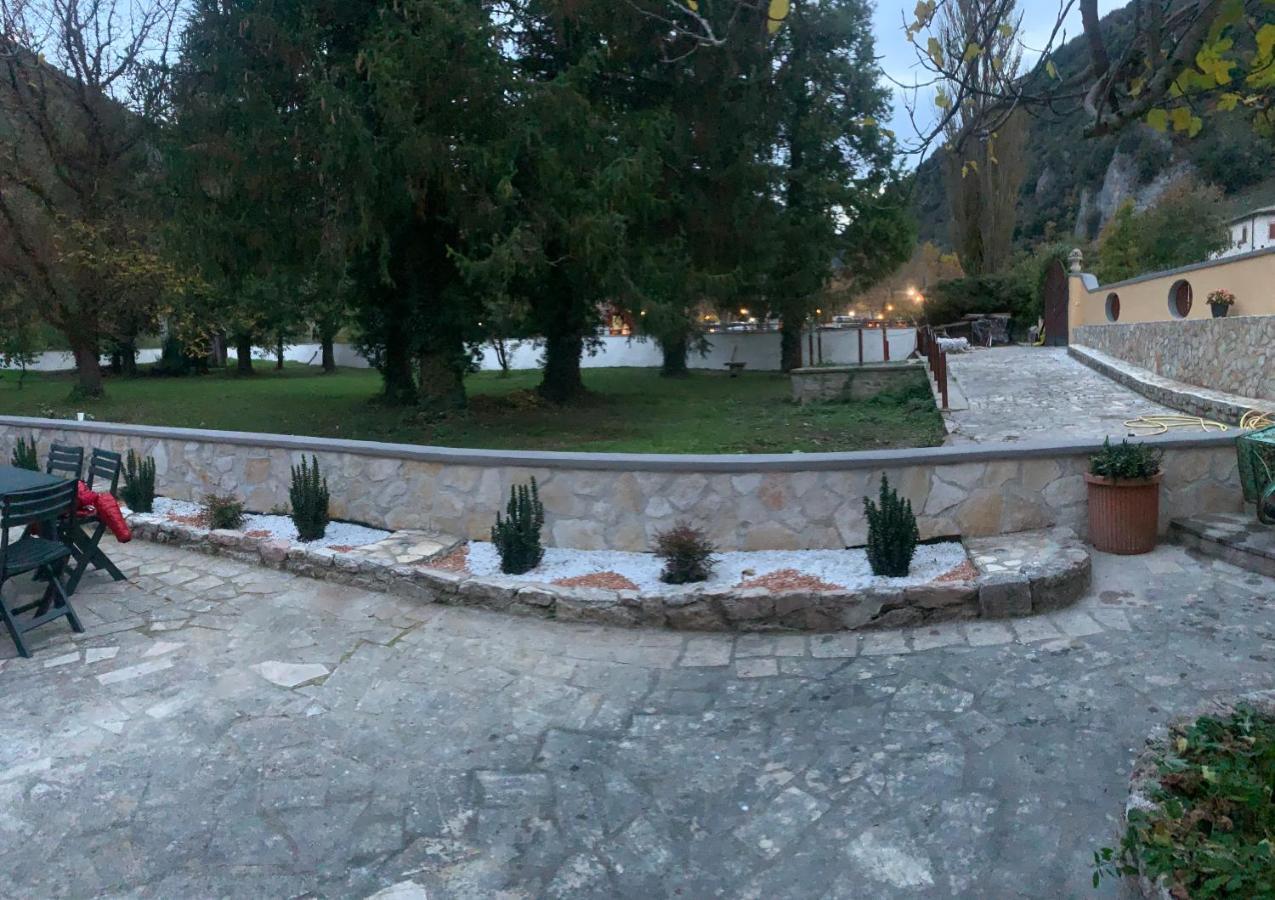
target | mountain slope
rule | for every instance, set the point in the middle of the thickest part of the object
(1074, 184)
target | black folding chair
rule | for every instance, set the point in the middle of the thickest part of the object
(65, 461)
(104, 465)
(46, 556)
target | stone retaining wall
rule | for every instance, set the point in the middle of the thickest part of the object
(617, 501)
(851, 382)
(1235, 355)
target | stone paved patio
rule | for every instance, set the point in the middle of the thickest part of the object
(233, 731)
(1037, 394)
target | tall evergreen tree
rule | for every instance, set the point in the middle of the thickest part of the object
(835, 175)
(241, 162)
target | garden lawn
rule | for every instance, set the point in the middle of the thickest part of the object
(628, 410)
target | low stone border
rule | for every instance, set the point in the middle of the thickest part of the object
(1005, 584)
(1144, 778)
(1189, 398)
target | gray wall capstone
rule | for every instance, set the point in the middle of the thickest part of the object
(618, 501)
(1235, 354)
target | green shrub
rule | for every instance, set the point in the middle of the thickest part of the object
(687, 553)
(892, 533)
(138, 491)
(24, 455)
(1209, 831)
(223, 511)
(309, 496)
(1126, 461)
(517, 536)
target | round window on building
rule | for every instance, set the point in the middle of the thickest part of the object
(1180, 299)
(1113, 307)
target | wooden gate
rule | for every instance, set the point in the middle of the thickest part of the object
(1056, 305)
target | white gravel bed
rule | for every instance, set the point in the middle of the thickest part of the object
(846, 568)
(338, 534)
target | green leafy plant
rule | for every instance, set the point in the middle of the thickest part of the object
(1210, 828)
(138, 491)
(687, 553)
(1125, 461)
(309, 496)
(892, 533)
(24, 455)
(517, 536)
(223, 511)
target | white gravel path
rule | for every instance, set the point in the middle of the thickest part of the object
(338, 534)
(847, 568)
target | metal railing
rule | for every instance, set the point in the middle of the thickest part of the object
(927, 346)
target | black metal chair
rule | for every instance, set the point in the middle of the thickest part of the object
(106, 465)
(44, 555)
(65, 461)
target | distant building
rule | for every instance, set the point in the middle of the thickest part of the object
(1254, 230)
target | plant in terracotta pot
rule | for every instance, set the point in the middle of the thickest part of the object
(1220, 302)
(1124, 498)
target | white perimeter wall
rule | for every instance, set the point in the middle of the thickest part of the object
(759, 351)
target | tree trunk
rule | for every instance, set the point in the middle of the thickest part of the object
(278, 353)
(396, 368)
(789, 345)
(243, 354)
(329, 353)
(674, 364)
(128, 358)
(442, 384)
(561, 381)
(88, 366)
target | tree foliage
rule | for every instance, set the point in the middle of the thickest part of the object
(1186, 225)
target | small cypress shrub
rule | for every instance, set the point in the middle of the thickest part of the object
(223, 511)
(24, 455)
(309, 496)
(892, 533)
(138, 491)
(517, 536)
(687, 553)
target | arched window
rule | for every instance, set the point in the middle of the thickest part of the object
(1113, 307)
(1180, 297)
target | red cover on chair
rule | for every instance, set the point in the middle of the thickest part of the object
(107, 510)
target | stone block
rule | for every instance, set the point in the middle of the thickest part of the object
(1000, 596)
(940, 595)
(693, 613)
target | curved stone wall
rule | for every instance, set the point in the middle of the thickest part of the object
(617, 501)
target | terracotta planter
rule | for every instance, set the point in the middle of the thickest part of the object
(1124, 516)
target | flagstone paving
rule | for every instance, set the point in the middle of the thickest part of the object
(224, 730)
(1038, 394)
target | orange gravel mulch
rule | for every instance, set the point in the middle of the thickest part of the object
(341, 548)
(964, 572)
(612, 581)
(456, 561)
(197, 520)
(789, 580)
(257, 533)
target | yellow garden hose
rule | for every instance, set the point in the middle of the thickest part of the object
(1162, 424)
(1254, 420)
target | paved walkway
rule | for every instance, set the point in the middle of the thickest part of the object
(230, 731)
(1037, 394)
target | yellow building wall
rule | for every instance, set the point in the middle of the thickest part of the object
(1250, 277)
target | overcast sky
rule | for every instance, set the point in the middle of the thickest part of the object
(898, 57)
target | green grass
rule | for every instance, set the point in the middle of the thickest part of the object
(628, 410)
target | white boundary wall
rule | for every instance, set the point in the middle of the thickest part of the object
(759, 351)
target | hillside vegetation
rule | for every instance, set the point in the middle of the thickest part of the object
(1075, 184)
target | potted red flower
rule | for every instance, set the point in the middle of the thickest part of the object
(1220, 302)
(1124, 498)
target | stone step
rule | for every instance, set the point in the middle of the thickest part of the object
(1237, 538)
